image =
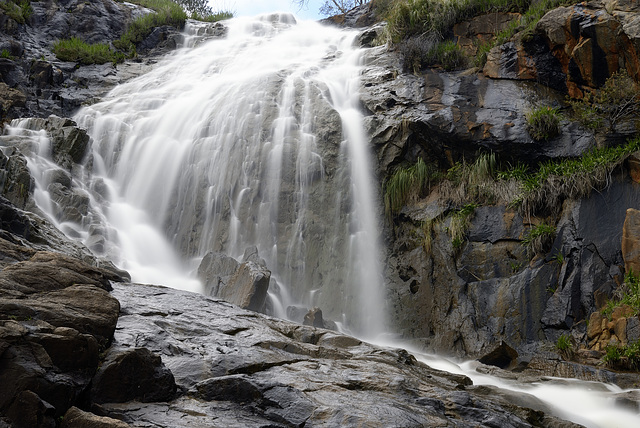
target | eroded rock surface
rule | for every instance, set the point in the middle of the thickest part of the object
(238, 369)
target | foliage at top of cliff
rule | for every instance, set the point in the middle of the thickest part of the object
(411, 18)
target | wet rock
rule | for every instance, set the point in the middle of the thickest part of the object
(504, 356)
(135, 374)
(11, 98)
(76, 418)
(15, 179)
(445, 117)
(314, 318)
(215, 271)
(251, 370)
(247, 287)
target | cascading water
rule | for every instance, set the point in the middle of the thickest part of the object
(251, 140)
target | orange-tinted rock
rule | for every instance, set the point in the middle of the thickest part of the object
(633, 162)
(631, 241)
(623, 311)
(621, 330)
(595, 325)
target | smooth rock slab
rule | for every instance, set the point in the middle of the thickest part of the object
(243, 369)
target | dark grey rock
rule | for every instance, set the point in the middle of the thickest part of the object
(135, 374)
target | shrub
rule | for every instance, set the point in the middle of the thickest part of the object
(618, 100)
(75, 49)
(539, 239)
(413, 17)
(623, 357)
(542, 123)
(448, 54)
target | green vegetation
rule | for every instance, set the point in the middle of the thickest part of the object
(420, 26)
(543, 123)
(4, 53)
(459, 224)
(414, 17)
(623, 357)
(75, 49)
(404, 183)
(618, 100)
(539, 238)
(167, 12)
(19, 11)
(564, 346)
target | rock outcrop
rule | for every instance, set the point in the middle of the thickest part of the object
(246, 369)
(34, 83)
(573, 48)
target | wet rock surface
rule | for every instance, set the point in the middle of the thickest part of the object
(247, 369)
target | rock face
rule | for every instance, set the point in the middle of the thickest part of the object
(246, 369)
(573, 48)
(466, 299)
(33, 82)
(56, 318)
(136, 374)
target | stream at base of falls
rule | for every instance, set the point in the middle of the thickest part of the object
(254, 140)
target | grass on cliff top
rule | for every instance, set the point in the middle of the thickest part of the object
(433, 20)
(166, 13)
(77, 50)
(414, 17)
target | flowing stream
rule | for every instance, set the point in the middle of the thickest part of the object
(254, 140)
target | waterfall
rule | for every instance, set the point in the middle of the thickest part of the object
(254, 139)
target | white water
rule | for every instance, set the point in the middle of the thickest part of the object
(223, 146)
(251, 140)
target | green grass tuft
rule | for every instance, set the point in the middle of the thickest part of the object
(539, 238)
(404, 183)
(77, 50)
(543, 123)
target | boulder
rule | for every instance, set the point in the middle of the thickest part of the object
(135, 374)
(215, 271)
(76, 418)
(314, 318)
(247, 287)
(30, 411)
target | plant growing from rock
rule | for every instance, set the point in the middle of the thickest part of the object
(77, 50)
(539, 239)
(460, 221)
(564, 346)
(405, 183)
(617, 101)
(622, 357)
(18, 11)
(543, 123)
